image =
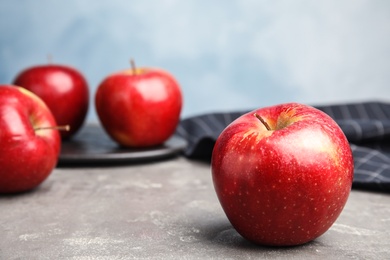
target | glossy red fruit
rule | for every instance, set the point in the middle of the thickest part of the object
(282, 174)
(29, 144)
(64, 90)
(139, 107)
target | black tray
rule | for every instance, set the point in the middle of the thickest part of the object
(92, 146)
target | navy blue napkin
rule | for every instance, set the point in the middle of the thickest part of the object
(366, 125)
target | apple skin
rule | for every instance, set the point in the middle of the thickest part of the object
(284, 186)
(63, 89)
(27, 155)
(139, 107)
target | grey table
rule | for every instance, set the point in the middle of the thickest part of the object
(163, 210)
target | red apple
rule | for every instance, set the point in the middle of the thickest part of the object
(63, 89)
(139, 107)
(29, 140)
(282, 174)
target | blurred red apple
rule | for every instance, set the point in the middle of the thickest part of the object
(282, 174)
(139, 107)
(63, 89)
(29, 141)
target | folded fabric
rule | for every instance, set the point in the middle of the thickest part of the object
(366, 125)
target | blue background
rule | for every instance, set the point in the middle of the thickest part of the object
(227, 55)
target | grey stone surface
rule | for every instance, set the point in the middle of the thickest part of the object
(163, 210)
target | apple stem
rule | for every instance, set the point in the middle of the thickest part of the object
(263, 121)
(60, 128)
(133, 67)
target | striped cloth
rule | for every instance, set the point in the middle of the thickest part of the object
(366, 125)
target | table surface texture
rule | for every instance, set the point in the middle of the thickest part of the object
(164, 210)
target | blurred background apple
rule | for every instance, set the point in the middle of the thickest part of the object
(139, 107)
(64, 90)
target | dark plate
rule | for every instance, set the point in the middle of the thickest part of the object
(93, 146)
